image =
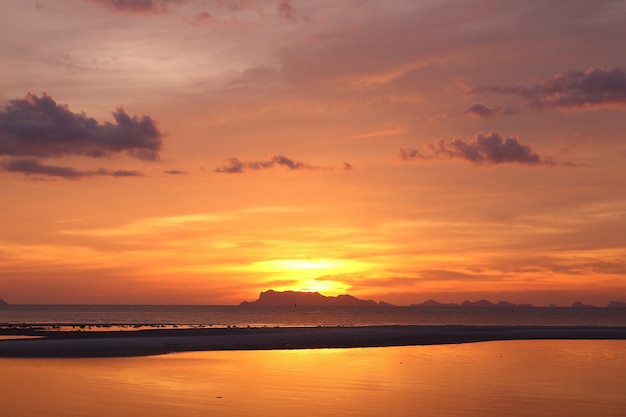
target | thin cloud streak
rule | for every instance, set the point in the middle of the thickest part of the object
(139, 6)
(236, 166)
(32, 166)
(284, 9)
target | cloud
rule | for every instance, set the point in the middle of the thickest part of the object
(490, 148)
(175, 172)
(138, 6)
(408, 154)
(236, 166)
(486, 148)
(482, 111)
(288, 12)
(39, 127)
(448, 275)
(593, 88)
(234, 6)
(32, 166)
(214, 12)
(383, 132)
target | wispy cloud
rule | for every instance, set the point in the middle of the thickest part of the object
(287, 11)
(486, 148)
(215, 11)
(383, 132)
(593, 88)
(482, 111)
(236, 166)
(31, 166)
(139, 6)
(175, 172)
(152, 225)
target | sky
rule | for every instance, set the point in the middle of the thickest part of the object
(200, 152)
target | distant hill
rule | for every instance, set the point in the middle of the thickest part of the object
(315, 299)
(578, 304)
(297, 298)
(3, 303)
(479, 303)
(486, 303)
(617, 304)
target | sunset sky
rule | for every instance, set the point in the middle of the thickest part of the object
(199, 152)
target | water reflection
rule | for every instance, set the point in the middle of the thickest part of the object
(515, 378)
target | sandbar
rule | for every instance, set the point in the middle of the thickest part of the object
(83, 344)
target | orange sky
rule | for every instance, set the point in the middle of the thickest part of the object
(203, 151)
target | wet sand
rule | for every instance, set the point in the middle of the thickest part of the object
(81, 344)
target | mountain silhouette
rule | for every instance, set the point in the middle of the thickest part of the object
(300, 298)
(479, 303)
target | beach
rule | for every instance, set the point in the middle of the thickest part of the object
(127, 343)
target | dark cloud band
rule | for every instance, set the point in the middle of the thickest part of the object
(593, 88)
(31, 166)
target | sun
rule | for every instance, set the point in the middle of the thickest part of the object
(324, 287)
(312, 275)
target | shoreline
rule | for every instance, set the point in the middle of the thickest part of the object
(116, 343)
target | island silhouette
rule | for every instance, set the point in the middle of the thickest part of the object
(308, 299)
(272, 298)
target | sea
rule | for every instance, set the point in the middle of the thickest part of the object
(520, 378)
(141, 316)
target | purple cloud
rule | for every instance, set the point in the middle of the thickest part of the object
(482, 111)
(236, 166)
(38, 126)
(594, 88)
(138, 6)
(486, 148)
(31, 166)
(288, 12)
(409, 153)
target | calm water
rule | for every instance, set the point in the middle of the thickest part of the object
(304, 316)
(513, 379)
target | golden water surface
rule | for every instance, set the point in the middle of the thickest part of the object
(512, 378)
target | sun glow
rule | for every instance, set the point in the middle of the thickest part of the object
(300, 264)
(316, 275)
(324, 287)
(308, 267)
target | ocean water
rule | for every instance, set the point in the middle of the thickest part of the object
(546, 378)
(539, 378)
(223, 316)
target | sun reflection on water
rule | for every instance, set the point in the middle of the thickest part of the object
(514, 378)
